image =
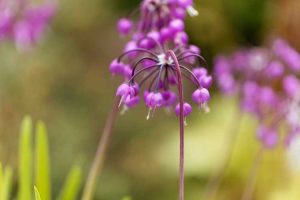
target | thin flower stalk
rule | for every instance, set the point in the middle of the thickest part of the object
(252, 177)
(101, 152)
(216, 180)
(181, 124)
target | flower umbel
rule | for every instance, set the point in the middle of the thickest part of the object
(266, 81)
(24, 22)
(156, 71)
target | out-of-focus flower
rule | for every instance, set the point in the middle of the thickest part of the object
(24, 22)
(265, 79)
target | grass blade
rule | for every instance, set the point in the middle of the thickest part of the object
(72, 185)
(25, 161)
(36, 194)
(1, 179)
(6, 184)
(42, 166)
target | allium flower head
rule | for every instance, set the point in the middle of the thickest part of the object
(24, 21)
(148, 65)
(161, 20)
(156, 72)
(265, 79)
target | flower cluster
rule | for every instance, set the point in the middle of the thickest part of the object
(147, 61)
(24, 22)
(265, 79)
(160, 19)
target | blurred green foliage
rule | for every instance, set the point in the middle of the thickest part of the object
(5, 182)
(42, 176)
(37, 194)
(71, 187)
(26, 189)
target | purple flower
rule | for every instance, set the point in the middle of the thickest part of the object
(265, 81)
(187, 109)
(146, 62)
(6, 21)
(169, 98)
(159, 73)
(201, 96)
(25, 23)
(287, 54)
(176, 26)
(159, 57)
(124, 26)
(291, 85)
(269, 137)
(160, 20)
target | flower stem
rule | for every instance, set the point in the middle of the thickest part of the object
(181, 123)
(248, 191)
(97, 165)
(215, 181)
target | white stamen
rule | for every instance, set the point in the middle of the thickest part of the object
(124, 110)
(121, 101)
(162, 58)
(185, 123)
(153, 111)
(149, 114)
(192, 11)
(205, 108)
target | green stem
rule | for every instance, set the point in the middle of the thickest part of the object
(216, 179)
(97, 165)
(181, 123)
(249, 189)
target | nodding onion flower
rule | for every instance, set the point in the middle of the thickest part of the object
(154, 62)
(267, 83)
(160, 20)
(147, 62)
(157, 15)
(156, 71)
(24, 21)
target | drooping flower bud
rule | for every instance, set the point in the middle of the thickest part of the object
(124, 26)
(187, 109)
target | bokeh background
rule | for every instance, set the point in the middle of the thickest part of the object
(65, 82)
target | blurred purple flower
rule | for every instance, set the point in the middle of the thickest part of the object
(265, 79)
(24, 22)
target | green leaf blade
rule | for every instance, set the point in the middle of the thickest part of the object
(6, 184)
(42, 165)
(37, 194)
(72, 185)
(1, 179)
(25, 160)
